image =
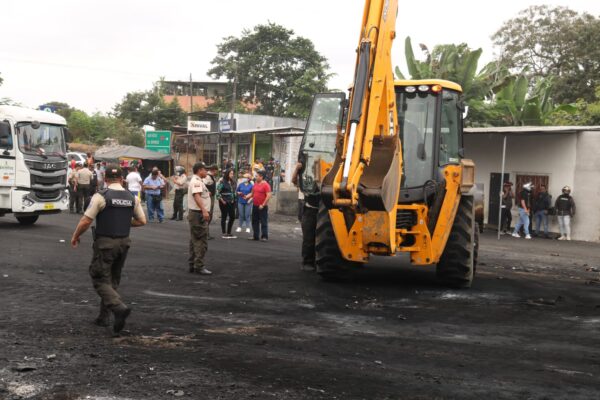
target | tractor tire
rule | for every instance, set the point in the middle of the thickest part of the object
(457, 264)
(27, 220)
(331, 266)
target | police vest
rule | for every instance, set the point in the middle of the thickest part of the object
(115, 219)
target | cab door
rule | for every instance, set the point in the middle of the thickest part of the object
(317, 151)
(7, 164)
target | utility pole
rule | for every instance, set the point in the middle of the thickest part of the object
(187, 149)
(233, 156)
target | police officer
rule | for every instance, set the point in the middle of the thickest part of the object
(116, 211)
(308, 221)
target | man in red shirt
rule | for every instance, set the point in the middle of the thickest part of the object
(261, 194)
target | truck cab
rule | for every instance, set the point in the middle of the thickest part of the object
(33, 163)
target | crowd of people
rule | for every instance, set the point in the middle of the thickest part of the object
(536, 207)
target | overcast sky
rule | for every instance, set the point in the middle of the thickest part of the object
(90, 53)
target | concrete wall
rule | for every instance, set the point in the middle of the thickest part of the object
(586, 188)
(554, 155)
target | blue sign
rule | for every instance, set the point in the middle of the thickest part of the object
(47, 108)
(225, 125)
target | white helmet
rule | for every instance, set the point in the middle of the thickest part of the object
(566, 190)
(528, 186)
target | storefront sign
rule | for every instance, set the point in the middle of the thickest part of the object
(199, 126)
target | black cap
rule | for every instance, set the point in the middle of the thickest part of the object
(262, 172)
(113, 171)
(213, 166)
(198, 166)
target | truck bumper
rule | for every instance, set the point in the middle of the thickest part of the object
(25, 203)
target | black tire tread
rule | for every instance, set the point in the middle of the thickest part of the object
(331, 266)
(457, 264)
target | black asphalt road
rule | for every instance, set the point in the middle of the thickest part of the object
(260, 328)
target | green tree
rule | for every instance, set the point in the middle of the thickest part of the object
(456, 63)
(584, 113)
(554, 42)
(523, 106)
(149, 108)
(273, 68)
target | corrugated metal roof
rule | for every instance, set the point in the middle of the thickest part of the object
(507, 130)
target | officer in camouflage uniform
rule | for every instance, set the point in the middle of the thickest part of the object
(115, 211)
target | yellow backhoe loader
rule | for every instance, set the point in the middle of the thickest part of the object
(388, 166)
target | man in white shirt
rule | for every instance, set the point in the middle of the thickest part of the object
(134, 181)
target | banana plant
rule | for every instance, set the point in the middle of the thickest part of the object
(456, 63)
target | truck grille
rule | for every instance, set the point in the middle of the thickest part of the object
(47, 194)
(405, 219)
(48, 180)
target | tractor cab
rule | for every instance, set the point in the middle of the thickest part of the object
(430, 117)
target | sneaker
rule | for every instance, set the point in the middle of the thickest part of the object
(528, 237)
(224, 236)
(230, 236)
(568, 238)
(516, 235)
(204, 271)
(264, 239)
(252, 238)
(238, 230)
(247, 230)
(562, 238)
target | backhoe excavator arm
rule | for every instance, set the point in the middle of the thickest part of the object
(362, 190)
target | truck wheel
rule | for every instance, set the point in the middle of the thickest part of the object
(331, 266)
(457, 264)
(28, 220)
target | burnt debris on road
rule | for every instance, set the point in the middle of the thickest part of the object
(259, 327)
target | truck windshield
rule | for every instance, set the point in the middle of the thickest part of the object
(47, 140)
(416, 116)
(318, 145)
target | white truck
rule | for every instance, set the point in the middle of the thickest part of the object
(33, 164)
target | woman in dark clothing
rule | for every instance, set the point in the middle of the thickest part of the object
(226, 198)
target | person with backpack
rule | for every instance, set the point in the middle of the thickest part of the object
(542, 204)
(226, 197)
(565, 210)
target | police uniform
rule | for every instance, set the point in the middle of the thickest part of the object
(113, 210)
(198, 225)
(309, 229)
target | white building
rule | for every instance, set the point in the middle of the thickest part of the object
(555, 156)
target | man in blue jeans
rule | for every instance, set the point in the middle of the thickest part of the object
(524, 211)
(153, 185)
(260, 195)
(542, 203)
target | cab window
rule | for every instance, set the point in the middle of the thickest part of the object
(449, 129)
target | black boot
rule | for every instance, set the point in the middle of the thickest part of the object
(103, 318)
(121, 312)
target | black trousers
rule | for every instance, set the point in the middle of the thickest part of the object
(506, 219)
(83, 197)
(309, 231)
(227, 212)
(178, 204)
(260, 222)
